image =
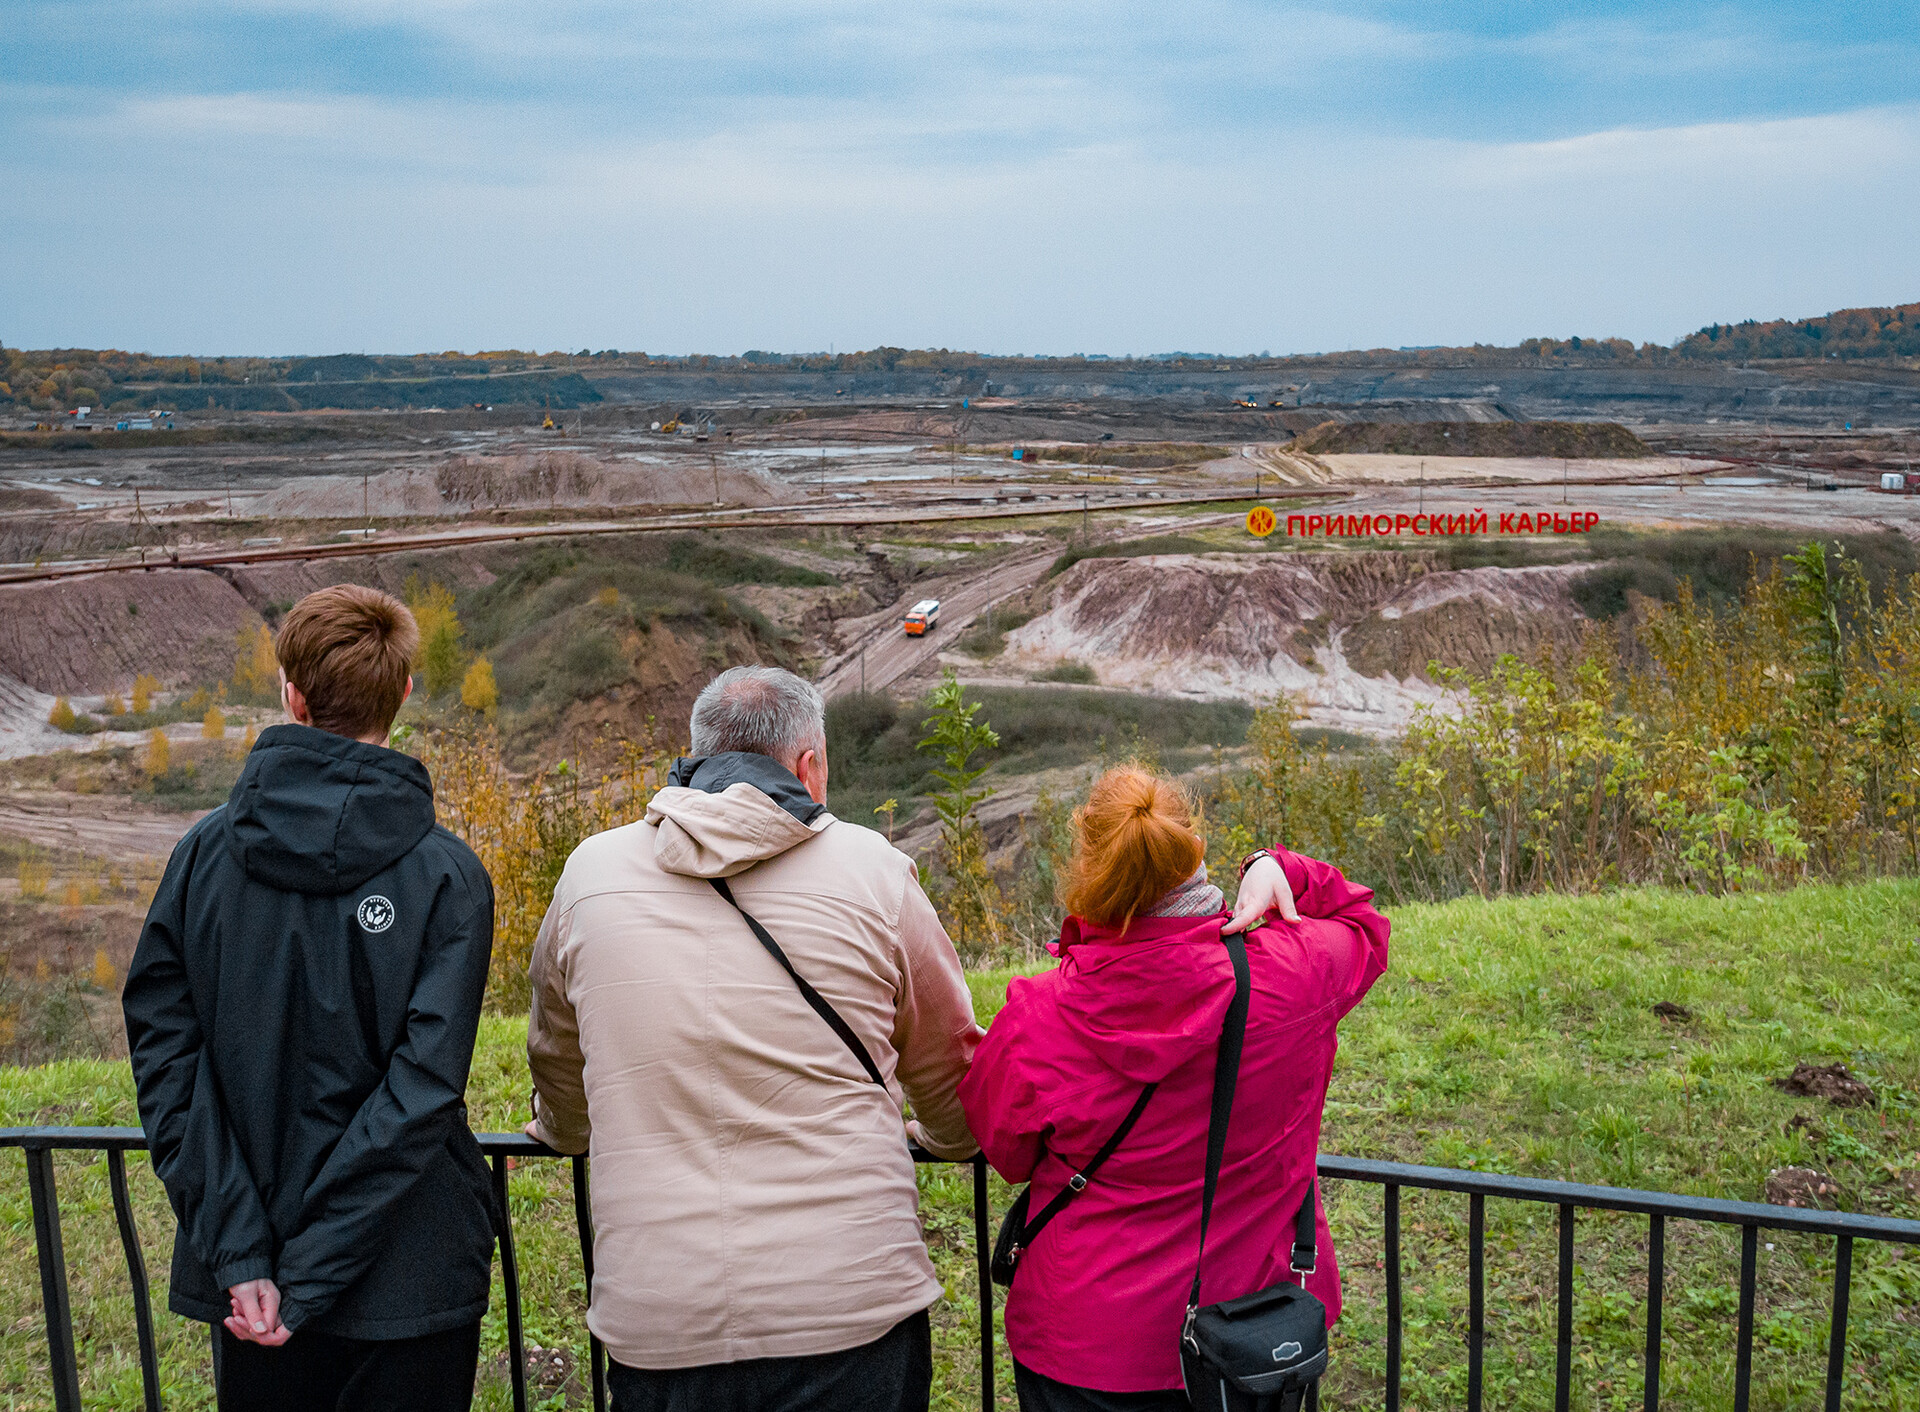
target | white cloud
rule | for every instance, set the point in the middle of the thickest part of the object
(1775, 151)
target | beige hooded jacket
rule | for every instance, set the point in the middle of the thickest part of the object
(752, 1192)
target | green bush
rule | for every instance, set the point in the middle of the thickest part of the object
(1076, 673)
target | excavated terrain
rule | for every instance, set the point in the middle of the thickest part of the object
(1349, 634)
(92, 635)
(462, 485)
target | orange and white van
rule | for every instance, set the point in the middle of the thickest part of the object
(923, 617)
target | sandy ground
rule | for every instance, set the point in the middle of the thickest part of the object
(461, 485)
(99, 825)
(1693, 504)
(1408, 470)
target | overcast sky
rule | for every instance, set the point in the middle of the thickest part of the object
(306, 176)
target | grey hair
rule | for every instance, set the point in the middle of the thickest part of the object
(760, 710)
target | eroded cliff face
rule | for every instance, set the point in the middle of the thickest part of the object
(1349, 635)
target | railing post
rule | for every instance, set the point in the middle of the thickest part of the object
(137, 1276)
(1476, 1297)
(1656, 1291)
(510, 1278)
(1393, 1297)
(583, 1218)
(983, 1257)
(1743, 1348)
(1837, 1338)
(1563, 1364)
(63, 1367)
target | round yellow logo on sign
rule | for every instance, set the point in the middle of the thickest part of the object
(1260, 522)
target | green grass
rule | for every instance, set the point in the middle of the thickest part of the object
(1515, 1035)
(1133, 549)
(1071, 672)
(870, 739)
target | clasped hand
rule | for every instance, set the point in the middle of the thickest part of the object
(256, 1314)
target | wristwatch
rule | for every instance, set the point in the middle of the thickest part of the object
(1258, 853)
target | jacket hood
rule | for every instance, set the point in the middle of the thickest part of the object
(723, 813)
(1146, 1000)
(319, 814)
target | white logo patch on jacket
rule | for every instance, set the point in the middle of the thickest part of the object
(376, 913)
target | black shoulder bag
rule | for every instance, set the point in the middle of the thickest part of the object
(807, 992)
(1265, 1351)
(1017, 1232)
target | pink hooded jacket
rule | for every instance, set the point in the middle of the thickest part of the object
(1100, 1295)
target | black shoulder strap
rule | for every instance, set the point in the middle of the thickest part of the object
(1226, 1075)
(1077, 1183)
(807, 992)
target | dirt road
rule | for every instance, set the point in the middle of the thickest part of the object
(879, 651)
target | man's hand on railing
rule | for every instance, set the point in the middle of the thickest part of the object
(1263, 889)
(256, 1314)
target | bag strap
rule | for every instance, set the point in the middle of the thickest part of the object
(1077, 1183)
(1305, 1237)
(1226, 1073)
(807, 992)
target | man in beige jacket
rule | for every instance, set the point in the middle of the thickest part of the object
(755, 1235)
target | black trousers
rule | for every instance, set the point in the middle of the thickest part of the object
(1040, 1393)
(894, 1373)
(316, 1372)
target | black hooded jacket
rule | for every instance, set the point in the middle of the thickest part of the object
(301, 1014)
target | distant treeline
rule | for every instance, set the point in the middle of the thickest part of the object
(112, 379)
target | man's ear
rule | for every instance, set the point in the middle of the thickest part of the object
(409, 691)
(811, 770)
(294, 702)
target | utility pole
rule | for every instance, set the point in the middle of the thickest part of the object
(1083, 515)
(365, 512)
(1563, 480)
(715, 465)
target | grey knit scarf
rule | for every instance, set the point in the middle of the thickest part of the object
(1196, 897)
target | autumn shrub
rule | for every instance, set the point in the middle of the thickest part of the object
(256, 670)
(478, 689)
(524, 827)
(439, 662)
(1722, 749)
(158, 757)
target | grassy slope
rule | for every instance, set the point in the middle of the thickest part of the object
(1513, 1035)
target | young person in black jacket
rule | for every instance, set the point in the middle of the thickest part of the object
(301, 1013)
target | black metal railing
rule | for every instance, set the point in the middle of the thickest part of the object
(39, 1145)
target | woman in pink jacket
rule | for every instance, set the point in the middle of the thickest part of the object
(1094, 1313)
